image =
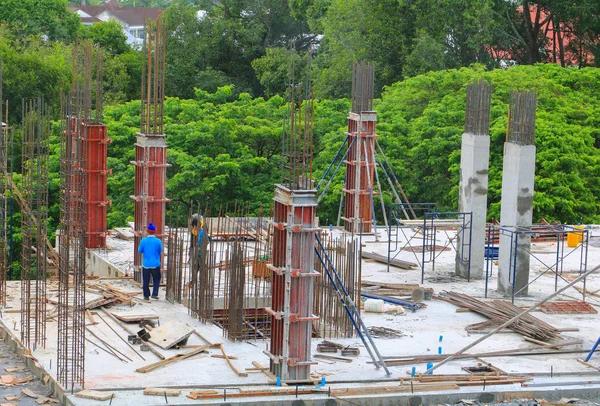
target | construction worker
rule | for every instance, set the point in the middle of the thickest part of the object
(151, 249)
(199, 237)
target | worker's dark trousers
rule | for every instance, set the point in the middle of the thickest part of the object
(155, 272)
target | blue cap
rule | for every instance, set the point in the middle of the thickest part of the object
(151, 227)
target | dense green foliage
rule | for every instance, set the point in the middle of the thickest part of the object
(225, 147)
(421, 120)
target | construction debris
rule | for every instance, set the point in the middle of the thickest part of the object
(95, 394)
(570, 307)
(501, 311)
(398, 263)
(332, 358)
(331, 347)
(384, 332)
(470, 380)
(170, 334)
(162, 391)
(172, 359)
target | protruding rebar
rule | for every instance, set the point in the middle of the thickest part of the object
(477, 114)
(521, 126)
(363, 77)
(298, 131)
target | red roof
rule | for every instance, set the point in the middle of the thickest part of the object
(132, 16)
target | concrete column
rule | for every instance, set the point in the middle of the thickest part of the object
(474, 164)
(516, 212)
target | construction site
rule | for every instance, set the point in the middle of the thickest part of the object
(396, 303)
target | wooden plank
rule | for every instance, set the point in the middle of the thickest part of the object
(587, 364)
(233, 368)
(332, 357)
(133, 317)
(551, 345)
(170, 334)
(398, 263)
(95, 394)
(264, 370)
(222, 356)
(170, 360)
(162, 391)
(90, 316)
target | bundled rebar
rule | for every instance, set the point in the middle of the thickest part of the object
(34, 171)
(477, 115)
(521, 126)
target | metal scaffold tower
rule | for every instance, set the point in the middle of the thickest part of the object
(293, 241)
(151, 147)
(77, 112)
(363, 156)
(34, 171)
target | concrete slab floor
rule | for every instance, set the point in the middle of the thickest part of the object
(421, 331)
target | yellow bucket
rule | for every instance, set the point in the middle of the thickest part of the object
(575, 238)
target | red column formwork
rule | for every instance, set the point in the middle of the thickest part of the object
(292, 282)
(150, 188)
(360, 168)
(96, 185)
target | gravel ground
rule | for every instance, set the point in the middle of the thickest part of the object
(8, 359)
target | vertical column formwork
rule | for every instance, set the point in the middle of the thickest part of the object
(292, 282)
(360, 163)
(151, 147)
(150, 187)
(474, 168)
(97, 172)
(516, 212)
(360, 170)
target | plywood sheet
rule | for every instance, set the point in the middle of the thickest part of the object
(169, 334)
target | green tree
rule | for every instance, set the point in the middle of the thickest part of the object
(216, 46)
(40, 17)
(108, 35)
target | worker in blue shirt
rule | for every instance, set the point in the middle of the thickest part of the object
(151, 249)
(198, 231)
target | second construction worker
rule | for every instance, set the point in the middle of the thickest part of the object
(198, 234)
(151, 249)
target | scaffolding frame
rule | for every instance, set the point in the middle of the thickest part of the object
(556, 232)
(428, 222)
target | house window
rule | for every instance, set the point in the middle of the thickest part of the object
(137, 33)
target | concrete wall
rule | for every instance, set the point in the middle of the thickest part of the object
(516, 211)
(98, 266)
(472, 197)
